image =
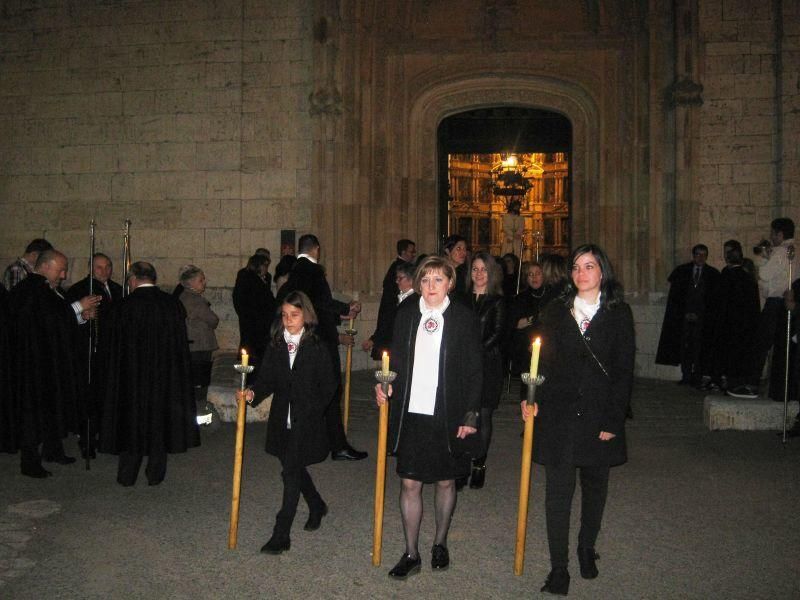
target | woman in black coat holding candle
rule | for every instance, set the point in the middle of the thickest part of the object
(587, 360)
(297, 369)
(436, 396)
(487, 302)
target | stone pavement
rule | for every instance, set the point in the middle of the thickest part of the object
(694, 514)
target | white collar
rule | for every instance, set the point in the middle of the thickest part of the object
(311, 258)
(144, 285)
(403, 295)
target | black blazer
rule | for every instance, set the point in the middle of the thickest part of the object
(460, 371)
(578, 400)
(255, 307)
(386, 311)
(491, 312)
(308, 388)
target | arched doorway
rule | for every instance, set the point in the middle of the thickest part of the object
(504, 175)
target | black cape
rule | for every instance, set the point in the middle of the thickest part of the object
(8, 430)
(255, 307)
(49, 386)
(146, 391)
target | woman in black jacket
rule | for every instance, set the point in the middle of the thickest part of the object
(587, 360)
(297, 369)
(255, 307)
(490, 307)
(433, 415)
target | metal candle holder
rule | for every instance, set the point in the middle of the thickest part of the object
(532, 385)
(244, 370)
(385, 379)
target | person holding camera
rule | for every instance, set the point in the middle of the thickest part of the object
(772, 260)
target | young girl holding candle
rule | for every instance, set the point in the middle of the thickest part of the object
(587, 358)
(298, 371)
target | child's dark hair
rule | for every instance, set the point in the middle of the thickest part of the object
(298, 300)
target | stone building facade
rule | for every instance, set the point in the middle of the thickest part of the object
(214, 124)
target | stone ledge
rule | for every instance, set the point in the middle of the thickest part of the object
(724, 412)
(221, 393)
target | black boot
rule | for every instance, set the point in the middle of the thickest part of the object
(279, 542)
(587, 558)
(478, 475)
(557, 582)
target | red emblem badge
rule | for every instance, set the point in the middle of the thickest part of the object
(431, 325)
(292, 347)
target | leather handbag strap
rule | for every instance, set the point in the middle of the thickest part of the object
(589, 348)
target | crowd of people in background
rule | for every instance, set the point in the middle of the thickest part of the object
(457, 326)
(721, 326)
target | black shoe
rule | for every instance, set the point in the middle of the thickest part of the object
(557, 582)
(587, 558)
(37, 472)
(60, 460)
(440, 558)
(461, 482)
(277, 544)
(405, 567)
(348, 453)
(315, 518)
(478, 477)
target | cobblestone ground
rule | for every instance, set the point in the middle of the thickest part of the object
(694, 514)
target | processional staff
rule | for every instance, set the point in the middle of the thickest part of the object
(347, 376)
(384, 377)
(126, 256)
(242, 368)
(532, 380)
(790, 258)
(92, 347)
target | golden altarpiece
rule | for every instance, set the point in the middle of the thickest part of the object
(483, 209)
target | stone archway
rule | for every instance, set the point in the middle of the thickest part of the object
(441, 100)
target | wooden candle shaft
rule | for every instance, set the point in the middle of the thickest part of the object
(524, 486)
(346, 398)
(380, 483)
(237, 475)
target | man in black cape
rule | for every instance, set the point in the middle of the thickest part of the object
(109, 292)
(8, 429)
(309, 277)
(148, 402)
(49, 384)
(685, 335)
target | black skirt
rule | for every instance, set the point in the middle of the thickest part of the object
(423, 453)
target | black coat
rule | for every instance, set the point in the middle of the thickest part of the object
(308, 388)
(491, 313)
(684, 297)
(49, 378)
(577, 400)
(147, 393)
(309, 278)
(526, 305)
(255, 306)
(386, 312)
(460, 372)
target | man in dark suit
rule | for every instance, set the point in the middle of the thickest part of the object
(382, 338)
(684, 332)
(109, 292)
(148, 401)
(309, 277)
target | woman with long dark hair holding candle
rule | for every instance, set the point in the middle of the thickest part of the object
(587, 360)
(433, 414)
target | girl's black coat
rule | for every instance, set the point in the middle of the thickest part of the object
(577, 400)
(308, 388)
(460, 371)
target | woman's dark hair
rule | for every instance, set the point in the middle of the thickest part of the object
(611, 293)
(298, 300)
(451, 242)
(514, 259)
(255, 262)
(495, 284)
(555, 270)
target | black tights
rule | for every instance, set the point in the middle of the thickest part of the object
(444, 501)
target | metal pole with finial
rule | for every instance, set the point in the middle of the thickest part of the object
(790, 259)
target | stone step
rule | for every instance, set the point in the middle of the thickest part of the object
(724, 412)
